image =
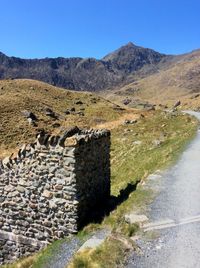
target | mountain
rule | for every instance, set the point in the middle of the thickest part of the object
(131, 71)
(130, 58)
(83, 74)
(177, 78)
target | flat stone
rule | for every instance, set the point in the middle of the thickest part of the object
(154, 177)
(96, 240)
(6, 161)
(72, 141)
(13, 194)
(137, 142)
(23, 183)
(47, 194)
(91, 243)
(20, 189)
(134, 218)
(9, 188)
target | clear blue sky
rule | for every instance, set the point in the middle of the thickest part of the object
(93, 28)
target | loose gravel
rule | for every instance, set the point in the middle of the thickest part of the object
(179, 198)
(63, 255)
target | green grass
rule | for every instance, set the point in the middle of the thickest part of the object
(110, 254)
(40, 259)
(131, 162)
(46, 254)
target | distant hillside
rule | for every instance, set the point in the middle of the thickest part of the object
(178, 78)
(133, 72)
(84, 74)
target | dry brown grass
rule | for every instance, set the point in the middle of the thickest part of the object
(35, 96)
(114, 124)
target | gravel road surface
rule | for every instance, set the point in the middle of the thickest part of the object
(176, 213)
(63, 255)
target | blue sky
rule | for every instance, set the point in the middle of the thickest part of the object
(93, 28)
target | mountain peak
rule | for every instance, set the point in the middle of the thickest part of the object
(132, 58)
(2, 55)
(130, 44)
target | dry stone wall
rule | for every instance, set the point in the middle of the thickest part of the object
(50, 187)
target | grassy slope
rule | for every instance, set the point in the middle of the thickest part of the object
(34, 96)
(130, 162)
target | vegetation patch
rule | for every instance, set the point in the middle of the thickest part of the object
(110, 254)
(55, 109)
(137, 150)
(162, 136)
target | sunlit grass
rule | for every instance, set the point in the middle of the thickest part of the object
(130, 161)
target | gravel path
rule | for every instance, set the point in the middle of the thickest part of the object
(67, 249)
(177, 246)
(63, 255)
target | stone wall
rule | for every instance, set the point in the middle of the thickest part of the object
(50, 188)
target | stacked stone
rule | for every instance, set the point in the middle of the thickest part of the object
(49, 188)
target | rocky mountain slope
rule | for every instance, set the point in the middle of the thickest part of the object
(84, 74)
(131, 72)
(177, 78)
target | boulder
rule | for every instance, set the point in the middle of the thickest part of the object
(137, 142)
(6, 162)
(80, 113)
(67, 112)
(50, 113)
(79, 102)
(134, 218)
(126, 122)
(157, 143)
(149, 108)
(126, 101)
(178, 103)
(30, 115)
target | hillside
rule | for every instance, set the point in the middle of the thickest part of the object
(54, 108)
(178, 80)
(83, 74)
(131, 72)
(138, 149)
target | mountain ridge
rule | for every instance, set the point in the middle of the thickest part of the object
(178, 79)
(82, 73)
